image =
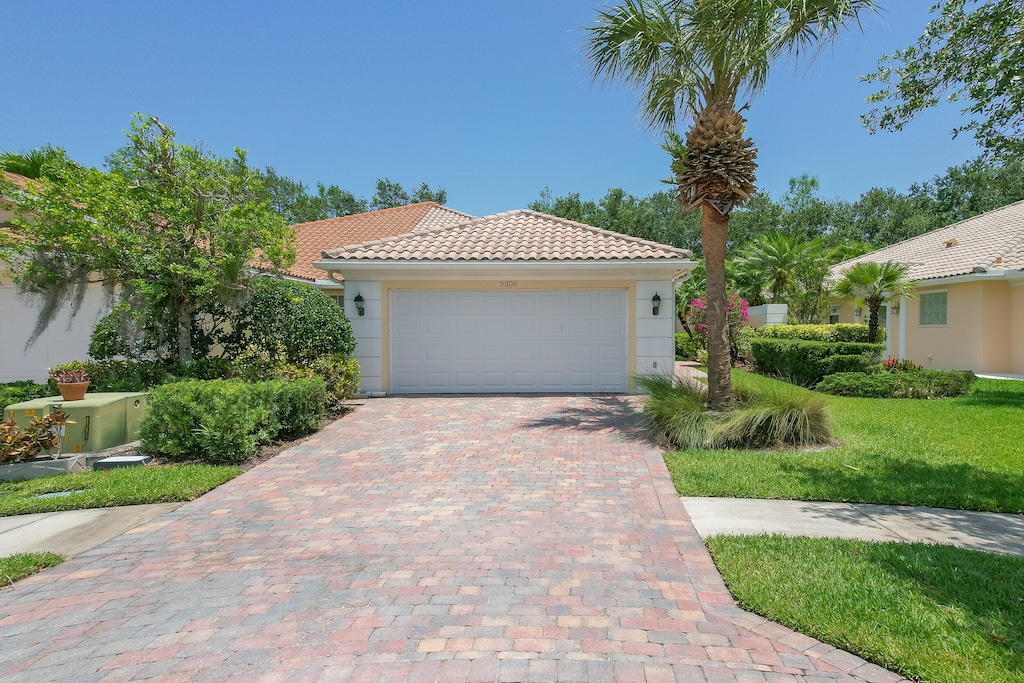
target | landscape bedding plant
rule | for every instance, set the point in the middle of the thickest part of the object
(765, 415)
(19, 392)
(929, 612)
(965, 452)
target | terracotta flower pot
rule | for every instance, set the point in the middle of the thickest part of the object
(74, 391)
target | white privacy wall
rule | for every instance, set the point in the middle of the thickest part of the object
(655, 334)
(367, 331)
(66, 339)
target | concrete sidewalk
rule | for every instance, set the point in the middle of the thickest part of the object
(73, 531)
(988, 531)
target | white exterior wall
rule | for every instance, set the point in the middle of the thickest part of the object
(367, 330)
(655, 340)
(767, 315)
(66, 338)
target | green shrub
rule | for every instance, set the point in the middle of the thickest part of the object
(339, 374)
(224, 421)
(290, 322)
(677, 409)
(299, 406)
(18, 392)
(686, 348)
(804, 362)
(847, 363)
(767, 416)
(861, 384)
(921, 383)
(840, 332)
(764, 416)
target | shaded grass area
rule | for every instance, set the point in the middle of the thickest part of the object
(16, 567)
(936, 613)
(111, 488)
(964, 453)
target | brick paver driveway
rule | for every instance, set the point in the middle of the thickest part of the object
(421, 539)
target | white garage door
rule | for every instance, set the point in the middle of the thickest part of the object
(509, 340)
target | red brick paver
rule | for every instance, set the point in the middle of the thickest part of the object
(421, 539)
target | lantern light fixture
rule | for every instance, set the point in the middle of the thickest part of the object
(360, 303)
(656, 300)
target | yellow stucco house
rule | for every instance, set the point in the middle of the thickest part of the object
(968, 312)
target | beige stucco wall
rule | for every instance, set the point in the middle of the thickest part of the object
(957, 345)
(1016, 326)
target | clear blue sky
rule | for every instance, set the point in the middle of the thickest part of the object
(486, 98)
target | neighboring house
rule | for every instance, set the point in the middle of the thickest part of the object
(514, 302)
(312, 239)
(66, 338)
(968, 312)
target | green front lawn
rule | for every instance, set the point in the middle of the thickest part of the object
(935, 613)
(15, 567)
(123, 486)
(963, 453)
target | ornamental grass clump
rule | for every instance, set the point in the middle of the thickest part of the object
(765, 415)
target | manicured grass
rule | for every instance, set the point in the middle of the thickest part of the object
(965, 453)
(124, 486)
(935, 613)
(15, 567)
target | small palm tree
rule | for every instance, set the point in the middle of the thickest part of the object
(873, 284)
(772, 263)
(700, 58)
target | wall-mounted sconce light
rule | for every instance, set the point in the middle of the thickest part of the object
(360, 303)
(656, 300)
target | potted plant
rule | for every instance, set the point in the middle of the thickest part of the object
(72, 380)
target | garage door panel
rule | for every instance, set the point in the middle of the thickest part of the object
(475, 341)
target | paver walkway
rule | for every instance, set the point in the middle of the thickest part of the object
(418, 539)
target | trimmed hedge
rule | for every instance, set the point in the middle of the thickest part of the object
(807, 362)
(18, 392)
(225, 421)
(686, 348)
(840, 332)
(912, 384)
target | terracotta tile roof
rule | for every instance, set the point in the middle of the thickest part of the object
(512, 236)
(19, 181)
(311, 239)
(989, 242)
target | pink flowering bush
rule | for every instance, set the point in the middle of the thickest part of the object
(737, 315)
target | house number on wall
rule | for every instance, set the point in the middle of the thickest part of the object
(508, 283)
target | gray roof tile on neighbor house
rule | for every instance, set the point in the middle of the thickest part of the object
(992, 241)
(511, 236)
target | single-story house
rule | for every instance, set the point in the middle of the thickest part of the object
(968, 310)
(313, 238)
(513, 302)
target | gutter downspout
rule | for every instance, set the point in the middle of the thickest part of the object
(903, 329)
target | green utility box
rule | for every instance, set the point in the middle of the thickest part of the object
(102, 420)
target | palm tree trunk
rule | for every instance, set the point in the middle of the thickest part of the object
(873, 308)
(714, 232)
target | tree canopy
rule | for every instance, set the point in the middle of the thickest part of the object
(171, 229)
(970, 53)
(296, 203)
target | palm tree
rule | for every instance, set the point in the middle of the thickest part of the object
(771, 264)
(873, 284)
(698, 58)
